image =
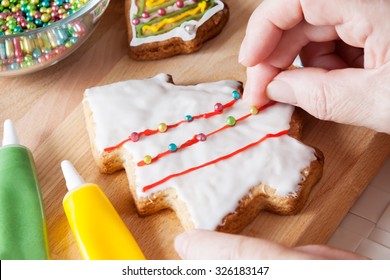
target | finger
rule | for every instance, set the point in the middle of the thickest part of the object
(284, 54)
(201, 244)
(272, 17)
(326, 252)
(265, 28)
(295, 39)
(348, 96)
(258, 78)
(322, 55)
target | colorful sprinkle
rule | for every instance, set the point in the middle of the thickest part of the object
(161, 12)
(172, 147)
(136, 21)
(145, 15)
(148, 159)
(218, 107)
(17, 16)
(236, 95)
(162, 127)
(134, 136)
(180, 3)
(230, 121)
(201, 137)
(254, 110)
(189, 118)
(190, 28)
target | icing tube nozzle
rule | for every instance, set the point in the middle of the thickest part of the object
(72, 177)
(99, 231)
(10, 136)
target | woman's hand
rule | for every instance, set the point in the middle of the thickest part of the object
(345, 47)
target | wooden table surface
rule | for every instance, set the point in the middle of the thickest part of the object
(45, 107)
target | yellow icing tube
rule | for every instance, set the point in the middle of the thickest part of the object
(97, 227)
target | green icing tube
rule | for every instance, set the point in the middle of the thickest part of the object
(23, 234)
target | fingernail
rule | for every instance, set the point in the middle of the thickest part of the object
(281, 91)
(241, 56)
(242, 53)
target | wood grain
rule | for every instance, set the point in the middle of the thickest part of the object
(46, 109)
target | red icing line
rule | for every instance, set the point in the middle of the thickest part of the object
(186, 144)
(149, 132)
(194, 140)
(269, 104)
(227, 126)
(211, 114)
(268, 136)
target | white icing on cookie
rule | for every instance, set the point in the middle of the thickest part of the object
(212, 192)
(181, 31)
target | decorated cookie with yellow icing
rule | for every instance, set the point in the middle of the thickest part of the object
(200, 150)
(163, 28)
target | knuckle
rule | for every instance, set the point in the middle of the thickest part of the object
(321, 101)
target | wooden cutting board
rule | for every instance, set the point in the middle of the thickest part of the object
(46, 110)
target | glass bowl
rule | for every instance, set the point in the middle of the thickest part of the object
(37, 49)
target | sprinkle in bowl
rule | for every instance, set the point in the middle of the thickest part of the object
(35, 34)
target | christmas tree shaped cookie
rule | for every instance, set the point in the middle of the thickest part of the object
(163, 28)
(201, 151)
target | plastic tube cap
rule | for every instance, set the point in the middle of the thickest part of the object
(72, 177)
(9, 136)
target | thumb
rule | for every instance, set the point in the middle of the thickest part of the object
(351, 96)
(202, 244)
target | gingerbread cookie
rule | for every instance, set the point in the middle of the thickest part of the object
(201, 151)
(163, 28)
